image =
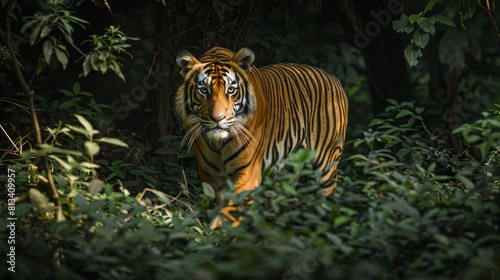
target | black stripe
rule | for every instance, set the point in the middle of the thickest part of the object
(237, 152)
(232, 174)
(206, 161)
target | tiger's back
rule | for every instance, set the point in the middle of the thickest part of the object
(308, 109)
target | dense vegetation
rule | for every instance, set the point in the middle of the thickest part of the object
(96, 185)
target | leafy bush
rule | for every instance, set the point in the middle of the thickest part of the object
(404, 208)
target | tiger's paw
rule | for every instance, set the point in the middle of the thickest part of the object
(216, 223)
(225, 216)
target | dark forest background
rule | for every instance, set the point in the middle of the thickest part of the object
(102, 188)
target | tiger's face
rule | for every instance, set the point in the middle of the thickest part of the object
(216, 98)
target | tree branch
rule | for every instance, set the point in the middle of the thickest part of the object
(490, 12)
(5, 37)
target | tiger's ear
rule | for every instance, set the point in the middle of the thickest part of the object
(244, 59)
(186, 61)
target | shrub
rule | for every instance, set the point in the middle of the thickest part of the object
(400, 211)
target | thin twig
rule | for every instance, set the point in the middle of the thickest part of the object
(489, 12)
(10, 139)
(173, 198)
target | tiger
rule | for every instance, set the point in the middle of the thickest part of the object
(241, 119)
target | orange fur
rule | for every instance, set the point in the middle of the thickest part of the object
(241, 119)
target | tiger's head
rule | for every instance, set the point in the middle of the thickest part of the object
(216, 98)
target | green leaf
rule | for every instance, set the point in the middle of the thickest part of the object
(403, 24)
(442, 19)
(86, 124)
(76, 87)
(412, 53)
(467, 183)
(46, 149)
(113, 141)
(162, 196)
(27, 25)
(79, 129)
(40, 201)
(69, 103)
(87, 65)
(89, 165)
(208, 190)
(65, 27)
(404, 112)
(35, 33)
(92, 148)
(62, 162)
(442, 239)
(103, 67)
(61, 56)
(46, 31)
(47, 50)
(426, 25)
(95, 186)
(420, 39)
(120, 74)
(340, 221)
(430, 5)
(402, 207)
(472, 138)
(414, 18)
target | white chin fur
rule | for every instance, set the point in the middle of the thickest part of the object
(217, 134)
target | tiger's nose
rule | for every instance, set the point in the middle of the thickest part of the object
(218, 117)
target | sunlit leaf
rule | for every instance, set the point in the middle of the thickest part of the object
(92, 148)
(88, 165)
(162, 196)
(113, 141)
(95, 186)
(62, 162)
(40, 201)
(86, 124)
(208, 190)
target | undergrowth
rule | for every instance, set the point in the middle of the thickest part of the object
(405, 208)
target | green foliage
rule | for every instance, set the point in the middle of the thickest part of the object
(422, 28)
(484, 134)
(51, 25)
(404, 208)
(105, 52)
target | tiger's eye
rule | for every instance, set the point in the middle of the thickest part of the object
(231, 90)
(203, 91)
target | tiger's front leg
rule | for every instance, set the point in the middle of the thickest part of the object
(246, 179)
